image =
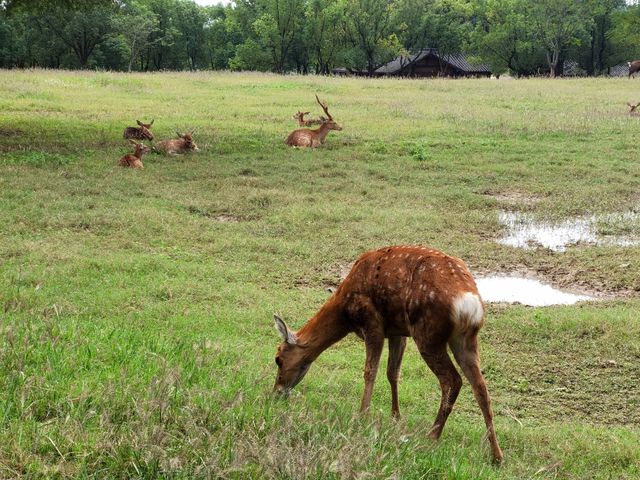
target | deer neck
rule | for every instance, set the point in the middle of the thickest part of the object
(322, 132)
(323, 330)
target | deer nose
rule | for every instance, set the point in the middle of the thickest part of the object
(281, 391)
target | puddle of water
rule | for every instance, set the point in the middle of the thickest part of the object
(524, 291)
(524, 232)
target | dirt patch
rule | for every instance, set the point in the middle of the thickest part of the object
(10, 131)
(513, 197)
(216, 216)
(337, 273)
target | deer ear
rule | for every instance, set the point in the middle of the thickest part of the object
(139, 122)
(152, 120)
(286, 334)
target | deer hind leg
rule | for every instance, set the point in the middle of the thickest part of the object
(374, 341)
(396, 351)
(465, 351)
(450, 383)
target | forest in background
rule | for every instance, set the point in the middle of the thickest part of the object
(520, 37)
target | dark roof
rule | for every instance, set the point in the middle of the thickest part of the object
(457, 60)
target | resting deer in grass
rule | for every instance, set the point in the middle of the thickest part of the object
(299, 116)
(395, 293)
(184, 143)
(134, 160)
(632, 109)
(634, 67)
(141, 132)
(306, 137)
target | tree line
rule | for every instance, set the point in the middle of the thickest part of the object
(521, 37)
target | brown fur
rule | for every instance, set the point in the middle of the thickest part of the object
(134, 160)
(632, 109)
(395, 293)
(634, 67)
(299, 116)
(184, 143)
(306, 137)
(141, 132)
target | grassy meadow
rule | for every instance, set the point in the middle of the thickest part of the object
(136, 331)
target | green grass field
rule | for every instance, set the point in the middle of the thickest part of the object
(136, 332)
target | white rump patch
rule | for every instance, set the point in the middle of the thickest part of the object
(467, 310)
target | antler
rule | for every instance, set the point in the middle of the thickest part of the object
(325, 107)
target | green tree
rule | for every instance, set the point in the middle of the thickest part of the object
(134, 24)
(324, 32)
(503, 36)
(558, 25)
(81, 31)
(370, 31)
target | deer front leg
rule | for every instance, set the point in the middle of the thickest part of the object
(374, 341)
(396, 351)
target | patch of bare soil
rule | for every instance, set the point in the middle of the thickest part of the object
(572, 281)
(513, 197)
(10, 131)
(216, 216)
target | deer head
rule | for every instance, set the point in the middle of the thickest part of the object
(141, 148)
(291, 359)
(144, 129)
(187, 138)
(328, 122)
(632, 107)
(300, 116)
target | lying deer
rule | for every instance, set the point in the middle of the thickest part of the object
(395, 293)
(306, 137)
(182, 144)
(632, 109)
(299, 116)
(141, 132)
(134, 160)
(633, 67)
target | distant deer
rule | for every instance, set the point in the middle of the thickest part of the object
(634, 66)
(182, 144)
(134, 160)
(141, 132)
(394, 293)
(306, 137)
(632, 109)
(299, 116)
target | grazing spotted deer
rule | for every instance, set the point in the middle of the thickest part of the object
(306, 137)
(634, 67)
(299, 116)
(632, 109)
(134, 160)
(184, 143)
(141, 132)
(395, 293)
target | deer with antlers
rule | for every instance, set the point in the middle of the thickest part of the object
(299, 116)
(141, 132)
(184, 143)
(306, 137)
(395, 293)
(134, 160)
